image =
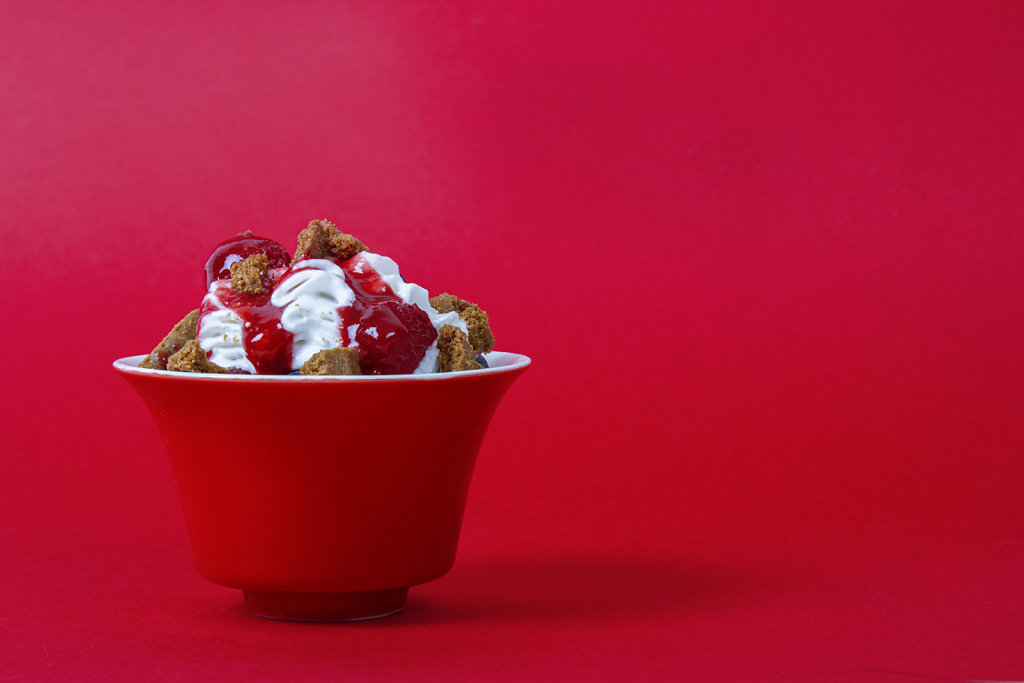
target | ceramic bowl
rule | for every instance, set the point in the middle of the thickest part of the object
(323, 498)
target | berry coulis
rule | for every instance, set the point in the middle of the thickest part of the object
(238, 248)
(268, 346)
(391, 335)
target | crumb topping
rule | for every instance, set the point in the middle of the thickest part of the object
(181, 333)
(480, 336)
(456, 351)
(180, 351)
(322, 239)
(338, 361)
(192, 358)
(248, 275)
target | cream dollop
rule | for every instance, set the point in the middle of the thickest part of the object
(220, 331)
(310, 294)
(411, 293)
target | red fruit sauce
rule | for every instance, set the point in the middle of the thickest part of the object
(236, 249)
(392, 336)
(268, 346)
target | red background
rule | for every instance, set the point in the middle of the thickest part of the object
(766, 258)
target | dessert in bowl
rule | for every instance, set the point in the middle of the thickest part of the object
(322, 440)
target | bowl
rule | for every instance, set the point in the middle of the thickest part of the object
(323, 498)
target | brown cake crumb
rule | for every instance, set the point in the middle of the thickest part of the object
(344, 246)
(192, 358)
(248, 274)
(321, 238)
(456, 351)
(183, 332)
(480, 336)
(339, 361)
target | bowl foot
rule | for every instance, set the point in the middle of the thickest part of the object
(326, 606)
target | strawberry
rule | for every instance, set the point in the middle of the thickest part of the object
(393, 338)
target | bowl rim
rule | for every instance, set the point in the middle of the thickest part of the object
(500, 362)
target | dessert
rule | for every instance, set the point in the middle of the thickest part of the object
(335, 308)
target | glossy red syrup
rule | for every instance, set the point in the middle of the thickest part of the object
(268, 346)
(236, 249)
(392, 336)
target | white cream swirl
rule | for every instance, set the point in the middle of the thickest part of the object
(410, 293)
(220, 331)
(309, 296)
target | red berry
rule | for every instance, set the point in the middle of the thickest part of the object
(393, 338)
(236, 249)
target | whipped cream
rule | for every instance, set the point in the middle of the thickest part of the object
(410, 293)
(309, 295)
(220, 330)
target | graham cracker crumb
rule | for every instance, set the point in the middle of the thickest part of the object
(181, 333)
(192, 358)
(480, 336)
(445, 303)
(344, 246)
(339, 361)
(322, 239)
(247, 275)
(456, 352)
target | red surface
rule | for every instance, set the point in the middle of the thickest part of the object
(766, 258)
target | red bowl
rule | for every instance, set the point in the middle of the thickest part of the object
(323, 498)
